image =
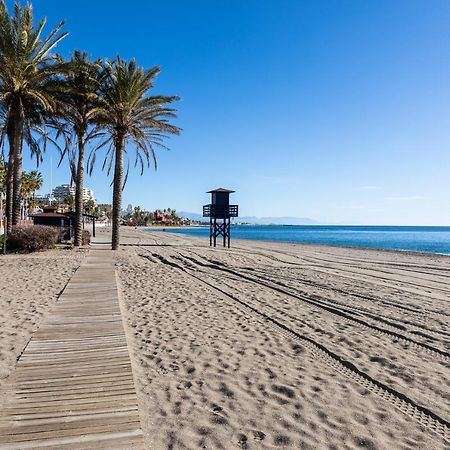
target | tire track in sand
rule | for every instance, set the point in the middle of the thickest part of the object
(421, 414)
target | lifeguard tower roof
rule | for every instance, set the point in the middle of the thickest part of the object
(221, 190)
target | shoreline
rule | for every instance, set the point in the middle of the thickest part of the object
(308, 244)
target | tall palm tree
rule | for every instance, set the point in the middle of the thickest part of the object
(27, 69)
(69, 200)
(36, 136)
(89, 206)
(26, 189)
(36, 181)
(128, 115)
(79, 103)
(31, 182)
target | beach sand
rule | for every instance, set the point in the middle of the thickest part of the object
(29, 286)
(269, 345)
(265, 345)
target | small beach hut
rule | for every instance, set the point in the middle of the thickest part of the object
(65, 221)
(52, 218)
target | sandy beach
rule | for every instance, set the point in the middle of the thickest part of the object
(314, 135)
(265, 345)
(271, 345)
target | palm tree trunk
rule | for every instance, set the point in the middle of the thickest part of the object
(79, 193)
(15, 136)
(9, 191)
(117, 190)
(17, 187)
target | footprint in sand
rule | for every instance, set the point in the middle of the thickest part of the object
(258, 435)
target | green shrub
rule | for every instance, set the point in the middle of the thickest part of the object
(32, 238)
(85, 238)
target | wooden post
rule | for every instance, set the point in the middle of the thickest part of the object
(210, 230)
(215, 231)
(224, 231)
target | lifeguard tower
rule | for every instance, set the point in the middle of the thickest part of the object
(220, 208)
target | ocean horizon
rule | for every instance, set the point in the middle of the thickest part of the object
(423, 239)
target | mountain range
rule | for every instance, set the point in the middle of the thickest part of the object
(256, 220)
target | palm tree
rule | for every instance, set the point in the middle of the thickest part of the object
(35, 134)
(27, 70)
(31, 182)
(26, 190)
(128, 115)
(79, 101)
(69, 200)
(89, 206)
(174, 218)
(36, 181)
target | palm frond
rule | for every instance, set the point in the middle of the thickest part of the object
(126, 109)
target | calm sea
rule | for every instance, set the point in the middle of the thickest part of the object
(420, 239)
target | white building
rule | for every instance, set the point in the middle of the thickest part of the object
(88, 194)
(62, 191)
(46, 199)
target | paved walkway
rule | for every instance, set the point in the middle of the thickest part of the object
(73, 386)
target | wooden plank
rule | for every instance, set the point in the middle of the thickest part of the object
(79, 380)
(73, 386)
(133, 437)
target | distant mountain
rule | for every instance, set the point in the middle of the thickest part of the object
(278, 220)
(257, 220)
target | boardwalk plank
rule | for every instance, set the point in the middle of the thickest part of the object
(73, 386)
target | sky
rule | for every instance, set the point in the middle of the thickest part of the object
(337, 111)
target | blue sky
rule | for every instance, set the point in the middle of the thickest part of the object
(334, 110)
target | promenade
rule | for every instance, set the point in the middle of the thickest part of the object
(73, 385)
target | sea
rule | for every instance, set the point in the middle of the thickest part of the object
(406, 238)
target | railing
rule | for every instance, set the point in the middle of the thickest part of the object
(220, 211)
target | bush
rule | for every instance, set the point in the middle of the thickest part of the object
(85, 238)
(32, 238)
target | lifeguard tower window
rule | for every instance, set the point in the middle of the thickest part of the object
(220, 208)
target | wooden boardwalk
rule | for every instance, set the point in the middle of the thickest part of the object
(73, 385)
